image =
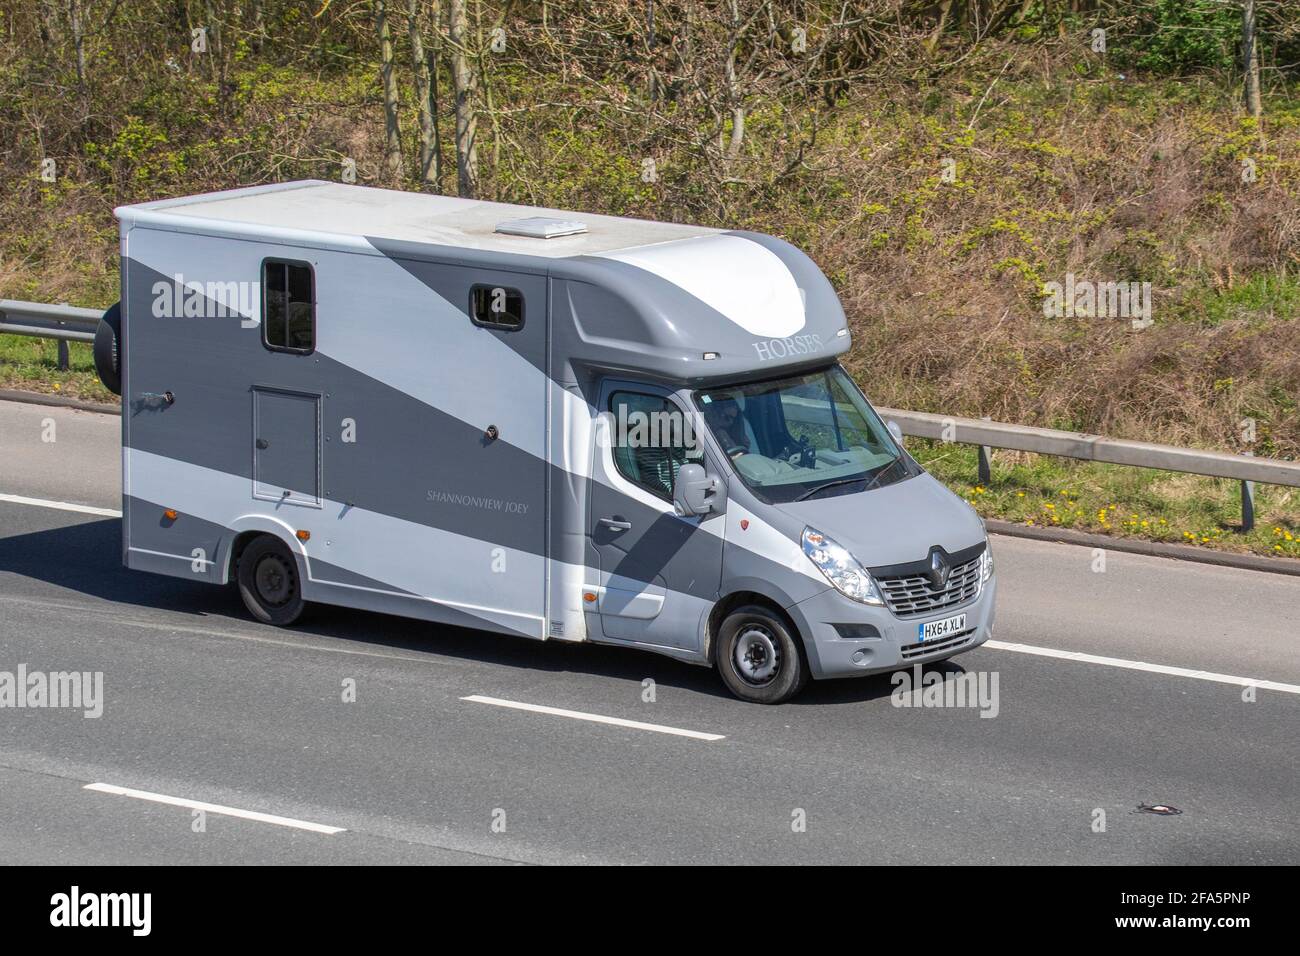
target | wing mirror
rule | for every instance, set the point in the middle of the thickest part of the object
(895, 431)
(693, 491)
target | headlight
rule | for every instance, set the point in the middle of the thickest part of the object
(986, 562)
(841, 568)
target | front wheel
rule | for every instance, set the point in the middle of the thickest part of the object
(759, 659)
(268, 582)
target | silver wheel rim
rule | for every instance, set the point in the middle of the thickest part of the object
(757, 656)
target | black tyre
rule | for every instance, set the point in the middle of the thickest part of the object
(269, 583)
(759, 659)
(107, 349)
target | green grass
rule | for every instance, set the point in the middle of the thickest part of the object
(1262, 297)
(1040, 491)
(32, 364)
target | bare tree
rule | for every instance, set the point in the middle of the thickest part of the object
(1250, 58)
(392, 131)
(426, 97)
(466, 83)
(257, 35)
(80, 30)
(735, 101)
(78, 41)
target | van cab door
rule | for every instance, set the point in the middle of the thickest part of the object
(658, 573)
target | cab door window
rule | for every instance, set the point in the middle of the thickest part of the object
(652, 438)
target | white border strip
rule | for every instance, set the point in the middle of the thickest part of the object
(594, 718)
(61, 506)
(1143, 666)
(214, 808)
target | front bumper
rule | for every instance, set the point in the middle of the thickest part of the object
(844, 638)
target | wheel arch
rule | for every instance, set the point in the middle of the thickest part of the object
(740, 598)
(244, 529)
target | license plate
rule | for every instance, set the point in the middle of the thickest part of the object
(934, 630)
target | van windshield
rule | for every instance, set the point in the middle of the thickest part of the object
(806, 436)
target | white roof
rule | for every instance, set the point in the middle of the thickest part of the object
(325, 209)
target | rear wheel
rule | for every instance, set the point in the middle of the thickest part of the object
(759, 659)
(107, 349)
(269, 583)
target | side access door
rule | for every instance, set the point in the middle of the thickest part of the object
(658, 574)
(286, 445)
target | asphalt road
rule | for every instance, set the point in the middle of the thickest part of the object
(202, 704)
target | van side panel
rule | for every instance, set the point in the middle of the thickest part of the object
(413, 510)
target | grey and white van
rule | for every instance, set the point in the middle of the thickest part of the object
(535, 422)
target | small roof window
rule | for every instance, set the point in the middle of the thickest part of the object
(541, 227)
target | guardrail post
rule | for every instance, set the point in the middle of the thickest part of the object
(63, 346)
(985, 465)
(1247, 502)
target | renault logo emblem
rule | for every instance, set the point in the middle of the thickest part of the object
(939, 571)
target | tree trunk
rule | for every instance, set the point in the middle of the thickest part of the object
(258, 36)
(462, 74)
(734, 99)
(49, 22)
(78, 41)
(217, 48)
(944, 9)
(423, 96)
(435, 110)
(1250, 58)
(392, 131)
(485, 83)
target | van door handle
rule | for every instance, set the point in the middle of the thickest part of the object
(616, 524)
(263, 443)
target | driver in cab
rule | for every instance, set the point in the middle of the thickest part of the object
(728, 426)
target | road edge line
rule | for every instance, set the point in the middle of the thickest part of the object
(1124, 663)
(257, 816)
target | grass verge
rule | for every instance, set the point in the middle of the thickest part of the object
(32, 364)
(1042, 491)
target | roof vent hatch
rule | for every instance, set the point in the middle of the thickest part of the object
(541, 227)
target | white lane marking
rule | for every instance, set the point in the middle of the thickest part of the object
(1144, 666)
(214, 808)
(595, 718)
(61, 506)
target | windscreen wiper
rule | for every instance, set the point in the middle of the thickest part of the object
(884, 469)
(882, 472)
(830, 484)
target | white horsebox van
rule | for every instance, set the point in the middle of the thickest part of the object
(548, 424)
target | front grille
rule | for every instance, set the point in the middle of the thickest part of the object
(929, 647)
(911, 595)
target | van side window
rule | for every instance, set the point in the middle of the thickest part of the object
(652, 438)
(496, 307)
(288, 306)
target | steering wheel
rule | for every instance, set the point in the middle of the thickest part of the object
(803, 450)
(737, 450)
